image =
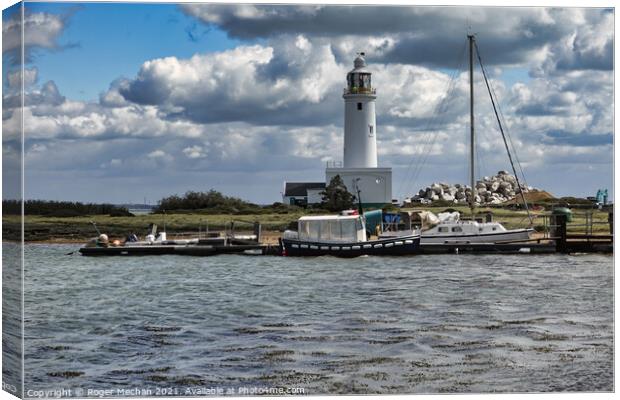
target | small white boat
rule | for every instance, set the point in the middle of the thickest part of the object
(448, 232)
(448, 228)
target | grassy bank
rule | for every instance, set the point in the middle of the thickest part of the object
(42, 228)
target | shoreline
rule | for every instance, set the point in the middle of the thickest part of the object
(268, 237)
(72, 230)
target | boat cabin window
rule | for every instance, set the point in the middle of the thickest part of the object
(443, 229)
(324, 231)
(302, 228)
(359, 106)
(335, 231)
(457, 229)
(494, 228)
(331, 230)
(348, 228)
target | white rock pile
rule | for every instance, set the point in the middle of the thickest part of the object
(489, 190)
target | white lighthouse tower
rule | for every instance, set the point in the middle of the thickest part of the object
(359, 169)
(360, 125)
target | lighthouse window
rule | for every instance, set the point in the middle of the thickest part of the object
(365, 80)
(359, 106)
(371, 130)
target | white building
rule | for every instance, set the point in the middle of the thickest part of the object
(302, 193)
(359, 170)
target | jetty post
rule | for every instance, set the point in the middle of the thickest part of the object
(560, 232)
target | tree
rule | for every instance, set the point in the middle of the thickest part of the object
(212, 200)
(336, 197)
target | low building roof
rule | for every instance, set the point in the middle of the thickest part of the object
(301, 188)
(328, 217)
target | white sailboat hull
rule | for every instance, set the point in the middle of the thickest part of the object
(493, 237)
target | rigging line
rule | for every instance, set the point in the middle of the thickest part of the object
(481, 133)
(478, 159)
(426, 152)
(486, 81)
(433, 133)
(430, 137)
(439, 110)
(514, 149)
(426, 139)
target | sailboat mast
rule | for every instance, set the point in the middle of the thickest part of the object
(471, 122)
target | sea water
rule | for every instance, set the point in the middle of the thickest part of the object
(234, 324)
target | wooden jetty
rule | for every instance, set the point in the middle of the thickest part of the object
(489, 248)
(560, 240)
(587, 242)
(199, 249)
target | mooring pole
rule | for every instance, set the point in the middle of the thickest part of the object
(560, 244)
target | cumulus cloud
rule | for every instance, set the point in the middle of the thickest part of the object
(587, 45)
(194, 152)
(583, 36)
(15, 78)
(224, 111)
(258, 84)
(411, 99)
(575, 108)
(157, 154)
(43, 32)
(294, 81)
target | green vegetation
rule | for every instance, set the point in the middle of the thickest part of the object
(40, 228)
(199, 211)
(60, 208)
(336, 197)
(212, 200)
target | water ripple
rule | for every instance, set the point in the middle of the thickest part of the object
(427, 324)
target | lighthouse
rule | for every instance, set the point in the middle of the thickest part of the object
(360, 125)
(359, 169)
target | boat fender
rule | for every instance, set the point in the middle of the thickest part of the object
(282, 247)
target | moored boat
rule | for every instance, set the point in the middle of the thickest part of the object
(344, 235)
(448, 228)
(157, 244)
(473, 232)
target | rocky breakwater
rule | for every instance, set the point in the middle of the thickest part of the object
(489, 190)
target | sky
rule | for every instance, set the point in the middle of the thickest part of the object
(131, 101)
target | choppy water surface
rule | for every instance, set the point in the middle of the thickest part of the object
(425, 324)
